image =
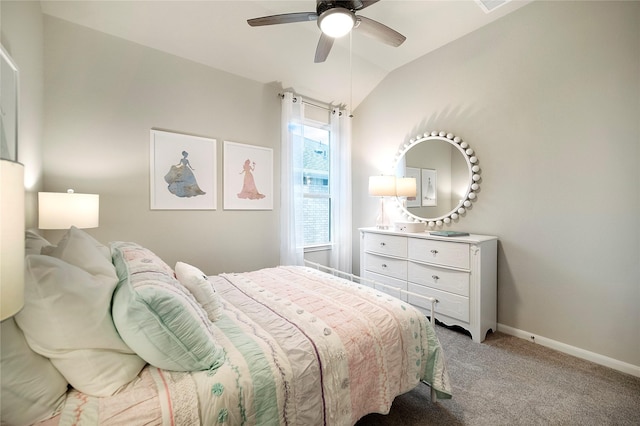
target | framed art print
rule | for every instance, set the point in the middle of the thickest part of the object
(182, 172)
(248, 177)
(429, 187)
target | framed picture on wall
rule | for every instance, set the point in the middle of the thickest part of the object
(183, 172)
(248, 177)
(414, 172)
(429, 187)
(8, 107)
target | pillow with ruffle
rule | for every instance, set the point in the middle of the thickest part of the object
(201, 288)
(32, 389)
(67, 315)
(157, 316)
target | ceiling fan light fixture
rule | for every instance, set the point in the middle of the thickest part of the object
(336, 22)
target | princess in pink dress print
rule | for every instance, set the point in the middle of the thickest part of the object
(249, 190)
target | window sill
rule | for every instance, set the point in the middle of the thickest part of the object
(323, 247)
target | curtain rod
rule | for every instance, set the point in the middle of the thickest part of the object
(304, 101)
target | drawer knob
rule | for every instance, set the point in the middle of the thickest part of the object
(434, 251)
(435, 277)
(384, 265)
(382, 244)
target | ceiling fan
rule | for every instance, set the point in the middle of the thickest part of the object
(336, 18)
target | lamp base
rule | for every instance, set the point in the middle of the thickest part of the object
(382, 221)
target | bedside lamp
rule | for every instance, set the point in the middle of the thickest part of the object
(11, 238)
(59, 210)
(382, 186)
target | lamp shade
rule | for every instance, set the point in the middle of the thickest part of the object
(59, 210)
(11, 238)
(406, 187)
(382, 186)
(336, 22)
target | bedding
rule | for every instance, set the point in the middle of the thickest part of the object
(293, 346)
(326, 351)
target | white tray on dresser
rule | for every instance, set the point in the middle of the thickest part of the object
(461, 272)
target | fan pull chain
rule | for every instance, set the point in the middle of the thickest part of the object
(350, 74)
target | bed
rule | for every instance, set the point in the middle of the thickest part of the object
(110, 334)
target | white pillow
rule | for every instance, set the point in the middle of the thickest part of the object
(82, 250)
(67, 315)
(198, 284)
(32, 388)
(33, 242)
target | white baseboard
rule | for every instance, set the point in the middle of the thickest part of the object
(624, 367)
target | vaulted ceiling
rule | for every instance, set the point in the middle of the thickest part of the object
(216, 33)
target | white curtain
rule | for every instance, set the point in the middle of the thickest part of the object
(291, 219)
(341, 190)
(291, 222)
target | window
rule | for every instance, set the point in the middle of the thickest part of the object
(316, 180)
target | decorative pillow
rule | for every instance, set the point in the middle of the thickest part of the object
(198, 284)
(67, 315)
(33, 243)
(32, 388)
(157, 316)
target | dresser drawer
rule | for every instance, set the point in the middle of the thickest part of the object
(396, 268)
(392, 245)
(388, 281)
(440, 252)
(440, 278)
(449, 304)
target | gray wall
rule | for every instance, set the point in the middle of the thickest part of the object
(549, 98)
(102, 97)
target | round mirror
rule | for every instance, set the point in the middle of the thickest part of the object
(447, 177)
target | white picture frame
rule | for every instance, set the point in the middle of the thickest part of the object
(248, 177)
(9, 110)
(182, 171)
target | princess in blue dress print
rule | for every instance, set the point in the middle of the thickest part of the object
(182, 182)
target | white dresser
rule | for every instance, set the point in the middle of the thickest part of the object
(461, 272)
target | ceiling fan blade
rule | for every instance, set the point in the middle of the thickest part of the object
(379, 31)
(352, 5)
(367, 3)
(324, 47)
(285, 18)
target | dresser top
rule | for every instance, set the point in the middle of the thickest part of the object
(471, 238)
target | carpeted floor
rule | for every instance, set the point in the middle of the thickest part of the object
(510, 381)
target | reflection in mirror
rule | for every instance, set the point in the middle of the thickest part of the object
(447, 177)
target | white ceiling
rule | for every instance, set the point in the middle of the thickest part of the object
(216, 33)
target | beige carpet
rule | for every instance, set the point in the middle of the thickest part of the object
(510, 381)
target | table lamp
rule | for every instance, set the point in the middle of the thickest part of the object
(59, 210)
(382, 186)
(12, 227)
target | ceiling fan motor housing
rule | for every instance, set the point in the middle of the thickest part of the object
(324, 5)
